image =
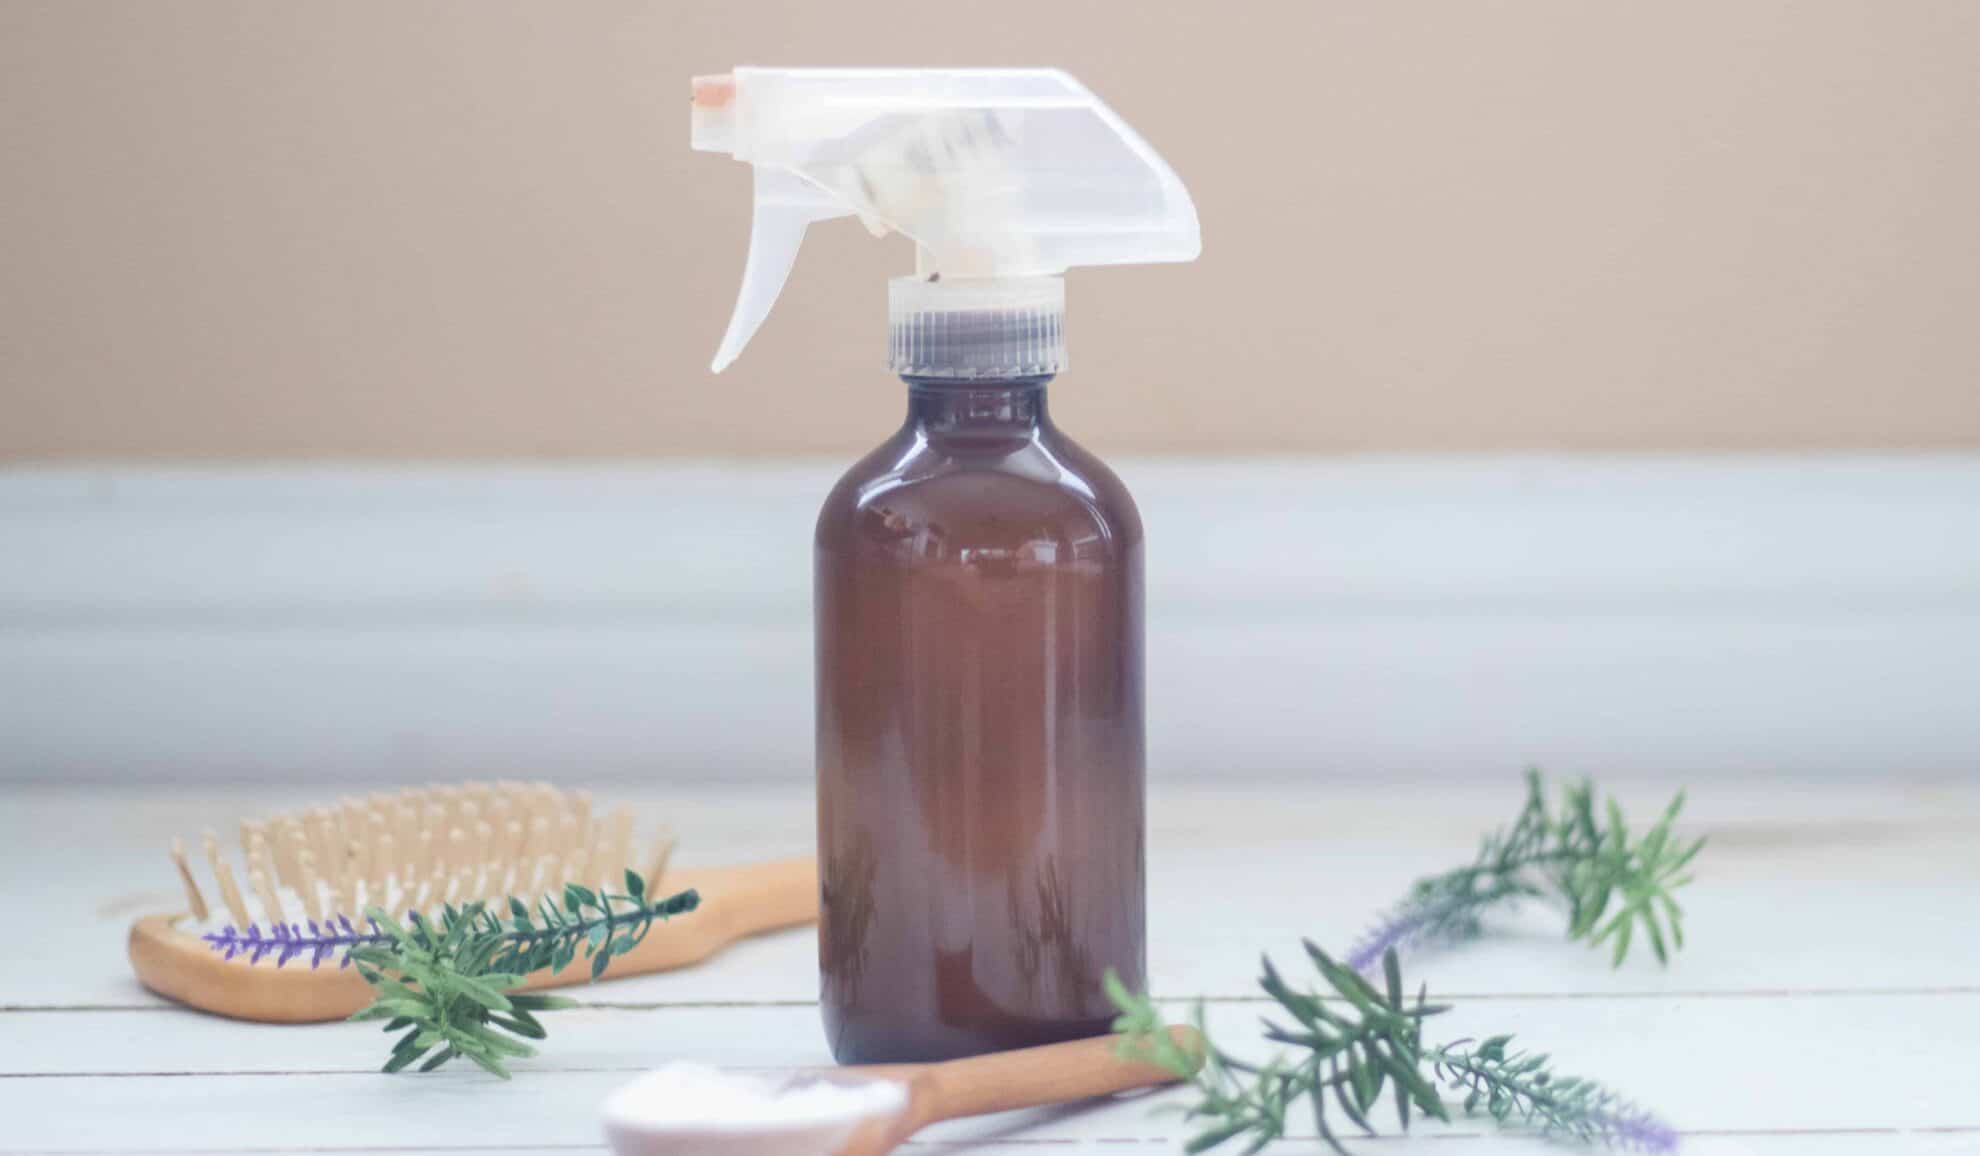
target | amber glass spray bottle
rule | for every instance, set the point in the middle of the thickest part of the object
(978, 591)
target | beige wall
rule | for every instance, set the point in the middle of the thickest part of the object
(389, 229)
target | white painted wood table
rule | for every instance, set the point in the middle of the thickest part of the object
(1828, 1001)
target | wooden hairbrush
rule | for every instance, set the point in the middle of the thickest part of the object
(415, 850)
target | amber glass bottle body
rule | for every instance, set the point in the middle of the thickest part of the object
(980, 733)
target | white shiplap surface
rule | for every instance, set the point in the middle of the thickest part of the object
(1826, 1004)
(1354, 617)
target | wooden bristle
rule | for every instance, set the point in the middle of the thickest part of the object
(578, 866)
(360, 877)
(385, 855)
(407, 836)
(194, 899)
(656, 866)
(258, 858)
(264, 892)
(294, 843)
(619, 857)
(224, 877)
(282, 853)
(378, 837)
(312, 899)
(249, 831)
(316, 838)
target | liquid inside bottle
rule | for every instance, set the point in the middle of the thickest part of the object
(980, 733)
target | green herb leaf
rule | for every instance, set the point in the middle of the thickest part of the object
(451, 984)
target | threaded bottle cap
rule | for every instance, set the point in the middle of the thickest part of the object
(976, 327)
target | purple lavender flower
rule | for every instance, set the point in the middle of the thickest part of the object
(1429, 917)
(1635, 1130)
(287, 941)
(1399, 930)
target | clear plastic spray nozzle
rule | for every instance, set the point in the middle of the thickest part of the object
(712, 114)
(994, 174)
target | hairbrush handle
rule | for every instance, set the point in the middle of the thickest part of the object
(735, 902)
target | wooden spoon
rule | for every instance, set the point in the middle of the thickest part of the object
(667, 1113)
(1005, 1081)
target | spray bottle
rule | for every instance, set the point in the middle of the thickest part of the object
(978, 576)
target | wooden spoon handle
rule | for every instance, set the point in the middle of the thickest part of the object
(1031, 1077)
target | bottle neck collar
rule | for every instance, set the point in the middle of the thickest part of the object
(938, 406)
(976, 328)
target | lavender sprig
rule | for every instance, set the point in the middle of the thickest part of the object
(286, 941)
(1519, 1087)
(1611, 885)
(530, 938)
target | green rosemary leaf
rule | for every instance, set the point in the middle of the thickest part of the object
(1656, 938)
(456, 933)
(537, 1001)
(437, 1059)
(525, 1027)
(1363, 1081)
(490, 1065)
(501, 1045)
(1211, 1137)
(399, 1060)
(481, 993)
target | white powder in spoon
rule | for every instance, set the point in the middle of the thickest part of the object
(681, 1097)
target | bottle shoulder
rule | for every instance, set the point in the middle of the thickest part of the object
(983, 496)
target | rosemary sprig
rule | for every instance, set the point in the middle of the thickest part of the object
(1612, 885)
(1351, 1046)
(448, 986)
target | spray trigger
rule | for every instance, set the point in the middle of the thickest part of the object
(786, 204)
